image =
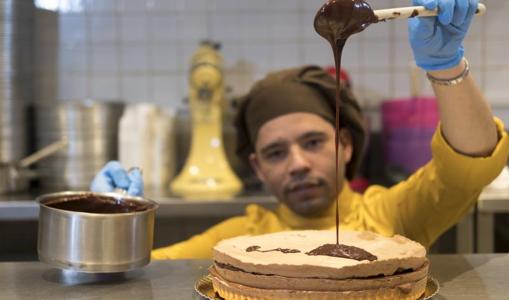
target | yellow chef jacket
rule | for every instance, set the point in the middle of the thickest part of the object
(421, 208)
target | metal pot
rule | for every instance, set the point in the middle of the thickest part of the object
(14, 177)
(88, 238)
(91, 127)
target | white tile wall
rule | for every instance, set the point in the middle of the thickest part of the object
(375, 55)
(317, 53)
(103, 6)
(497, 51)
(134, 88)
(163, 58)
(403, 56)
(72, 29)
(73, 58)
(104, 60)
(285, 55)
(105, 87)
(130, 6)
(103, 28)
(165, 90)
(496, 85)
(73, 86)
(474, 51)
(162, 28)
(193, 27)
(134, 58)
(139, 50)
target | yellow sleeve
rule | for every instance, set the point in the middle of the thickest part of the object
(437, 196)
(200, 246)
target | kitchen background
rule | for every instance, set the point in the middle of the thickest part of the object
(137, 51)
(140, 50)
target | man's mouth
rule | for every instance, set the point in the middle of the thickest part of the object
(304, 186)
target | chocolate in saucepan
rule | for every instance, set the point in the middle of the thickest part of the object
(98, 204)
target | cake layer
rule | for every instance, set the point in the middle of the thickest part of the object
(284, 254)
(317, 284)
(234, 291)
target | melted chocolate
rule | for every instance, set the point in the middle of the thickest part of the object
(232, 268)
(344, 251)
(283, 250)
(228, 267)
(336, 21)
(339, 19)
(98, 204)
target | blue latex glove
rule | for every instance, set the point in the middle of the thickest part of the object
(113, 176)
(437, 42)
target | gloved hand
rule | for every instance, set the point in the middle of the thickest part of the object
(437, 41)
(113, 176)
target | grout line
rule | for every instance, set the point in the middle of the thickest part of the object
(484, 56)
(118, 47)
(392, 50)
(149, 66)
(280, 40)
(90, 57)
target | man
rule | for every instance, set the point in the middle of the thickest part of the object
(286, 131)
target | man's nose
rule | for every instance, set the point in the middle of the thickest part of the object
(299, 164)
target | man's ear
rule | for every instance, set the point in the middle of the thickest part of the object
(345, 138)
(255, 164)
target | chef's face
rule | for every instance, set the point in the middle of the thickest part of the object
(294, 158)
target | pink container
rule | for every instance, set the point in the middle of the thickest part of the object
(408, 126)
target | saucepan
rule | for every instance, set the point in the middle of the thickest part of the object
(95, 232)
(14, 176)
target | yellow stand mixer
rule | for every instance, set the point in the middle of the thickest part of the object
(206, 173)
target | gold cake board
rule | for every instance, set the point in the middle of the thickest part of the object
(205, 289)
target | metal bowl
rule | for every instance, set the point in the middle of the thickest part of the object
(95, 232)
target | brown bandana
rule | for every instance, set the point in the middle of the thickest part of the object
(305, 89)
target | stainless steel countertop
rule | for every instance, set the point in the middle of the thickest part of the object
(23, 206)
(481, 276)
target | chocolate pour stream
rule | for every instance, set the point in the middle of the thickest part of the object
(336, 21)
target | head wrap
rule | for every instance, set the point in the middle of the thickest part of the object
(305, 89)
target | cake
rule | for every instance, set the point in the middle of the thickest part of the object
(287, 265)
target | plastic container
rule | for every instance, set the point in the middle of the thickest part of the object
(147, 141)
(408, 126)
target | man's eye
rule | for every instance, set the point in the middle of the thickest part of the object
(275, 154)
(312, 144)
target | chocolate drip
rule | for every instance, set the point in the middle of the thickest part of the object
(343, 251)
(283, 250)
(336, 21)
(98, 204)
